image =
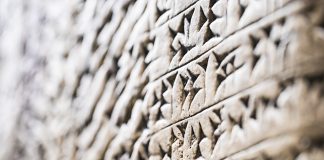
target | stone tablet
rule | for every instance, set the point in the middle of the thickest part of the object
(162, 79)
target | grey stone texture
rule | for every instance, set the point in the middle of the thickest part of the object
(162, 79)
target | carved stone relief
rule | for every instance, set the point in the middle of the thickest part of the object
(163, 79)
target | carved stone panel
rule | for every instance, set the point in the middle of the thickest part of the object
(162, 79)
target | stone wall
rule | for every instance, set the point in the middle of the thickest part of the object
(162, 79)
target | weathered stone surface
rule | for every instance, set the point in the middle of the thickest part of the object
(162, 79)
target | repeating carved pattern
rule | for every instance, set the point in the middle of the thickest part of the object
(173, 79)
